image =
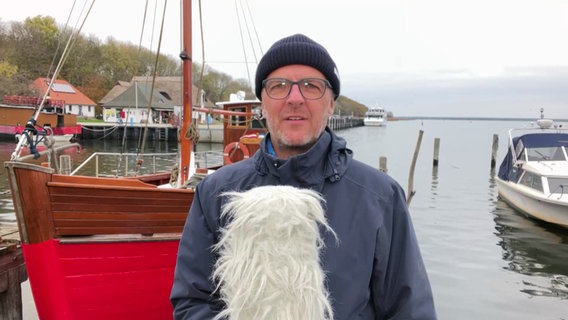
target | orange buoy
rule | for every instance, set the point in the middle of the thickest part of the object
(230, 149)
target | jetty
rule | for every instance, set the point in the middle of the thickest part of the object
(159, 131)
(209, 133)
(12, 273)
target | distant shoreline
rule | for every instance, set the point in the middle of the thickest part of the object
(465, 118)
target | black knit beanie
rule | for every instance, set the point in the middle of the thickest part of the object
(297, 49)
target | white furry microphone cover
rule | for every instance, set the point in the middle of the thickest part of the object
(269, 266)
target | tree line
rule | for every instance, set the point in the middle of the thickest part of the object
(33, 48)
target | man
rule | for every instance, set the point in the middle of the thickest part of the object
(371, 259)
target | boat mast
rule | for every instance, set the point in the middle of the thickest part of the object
(184, 140)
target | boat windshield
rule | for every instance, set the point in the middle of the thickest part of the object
(558, 185)
(546, 154)
(532, 180)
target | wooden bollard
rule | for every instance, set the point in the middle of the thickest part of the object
(411, 190)
(12, 274)
(494, 148)
(436, 151)
(383, 164)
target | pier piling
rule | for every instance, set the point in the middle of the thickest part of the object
(383, 164)
(12, 274)
(436, 151)
(411, 191)
(494, 150)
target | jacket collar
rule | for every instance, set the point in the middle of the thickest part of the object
(328, 158)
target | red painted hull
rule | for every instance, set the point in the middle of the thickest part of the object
(12, 130)
(57, 130)
(97, 280)
(98, 248)
(8, 130)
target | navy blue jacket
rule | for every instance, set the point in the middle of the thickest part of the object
(374, 271)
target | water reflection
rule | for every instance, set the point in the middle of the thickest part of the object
(532, 248)
(434, 183)
(535, 249)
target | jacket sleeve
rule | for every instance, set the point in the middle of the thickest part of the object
(400, 288)
(192, 291)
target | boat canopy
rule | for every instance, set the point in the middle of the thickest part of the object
(543, 140)
(507, 171)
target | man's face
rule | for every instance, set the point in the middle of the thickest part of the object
(295, 123)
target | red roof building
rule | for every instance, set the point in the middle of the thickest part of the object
(75, 101)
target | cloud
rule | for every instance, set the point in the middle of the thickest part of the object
(517, 92)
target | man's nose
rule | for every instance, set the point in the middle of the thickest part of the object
(295, 92)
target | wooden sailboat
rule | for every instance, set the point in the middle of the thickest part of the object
(105, 247)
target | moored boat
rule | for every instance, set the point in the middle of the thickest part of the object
(18, 110)
(375, 116)
(533, 177)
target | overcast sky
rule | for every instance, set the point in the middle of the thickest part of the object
(416, 57)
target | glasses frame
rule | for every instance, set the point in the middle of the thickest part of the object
(292, 83)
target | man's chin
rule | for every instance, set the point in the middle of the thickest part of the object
(297, 142)
(298, 145)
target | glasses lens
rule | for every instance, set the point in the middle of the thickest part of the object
(312, 88)
(278, 88)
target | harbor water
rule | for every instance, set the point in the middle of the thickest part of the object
(484, 260)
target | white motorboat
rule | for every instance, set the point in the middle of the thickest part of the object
(533, 177)
(375, 116)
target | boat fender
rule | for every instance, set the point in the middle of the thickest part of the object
(230, 149)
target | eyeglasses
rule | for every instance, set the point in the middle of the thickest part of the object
(310, 88)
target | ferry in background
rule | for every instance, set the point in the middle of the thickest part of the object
(375, 116)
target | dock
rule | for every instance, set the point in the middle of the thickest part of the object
(12, 273)
(212, 133)
(208, 133)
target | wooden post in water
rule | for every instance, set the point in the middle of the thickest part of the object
(436, 151)
(12, 274)
(411, 191)
(383, 164)
(494, 150)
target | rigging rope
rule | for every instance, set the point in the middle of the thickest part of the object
(192, 133)
(139, 159)
(64, 56)
(200, 82)
(254, 45)
(242, 41)
(143, 25)
(109, 133)
(99, 130)
(59, 39)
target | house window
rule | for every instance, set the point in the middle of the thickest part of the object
(258, 121)
(237, 120)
